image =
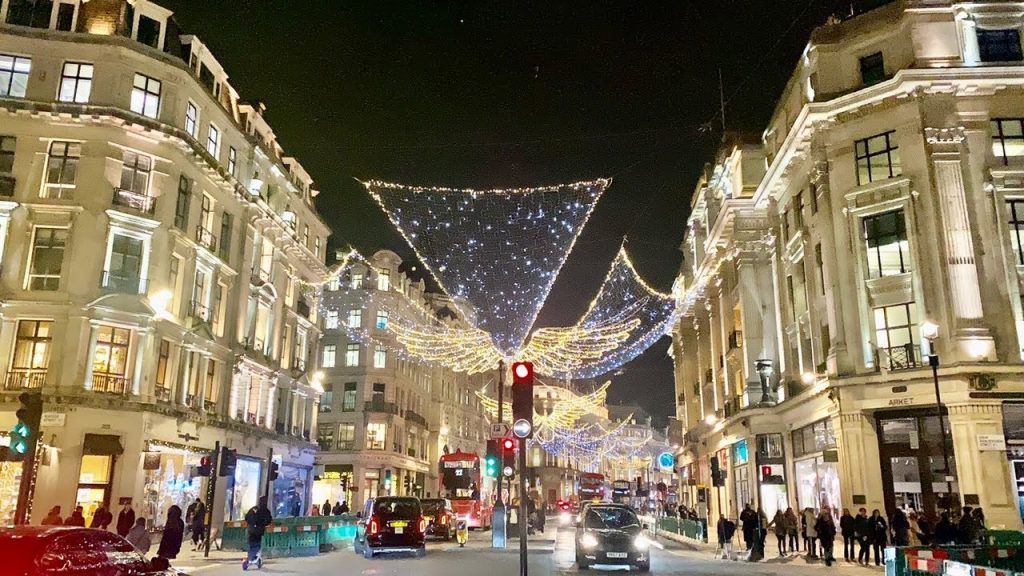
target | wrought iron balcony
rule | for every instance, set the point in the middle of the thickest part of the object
(381, 407)
(126, 198)
(206, 239)
(415, 418)
(25, 378)
(162, 394)
(110, 383)
(903, 357)
(210, 405)
(122, 284)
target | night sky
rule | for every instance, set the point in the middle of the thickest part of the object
(493, 94)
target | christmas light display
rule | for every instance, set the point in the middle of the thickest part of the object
(495, 252)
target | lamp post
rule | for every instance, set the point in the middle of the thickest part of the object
(764, 369)
(930, 331)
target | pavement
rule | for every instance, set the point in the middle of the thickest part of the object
(550, 554)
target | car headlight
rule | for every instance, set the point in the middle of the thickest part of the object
(588, 541)
(642, 542)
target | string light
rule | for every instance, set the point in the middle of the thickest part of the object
(495, 252)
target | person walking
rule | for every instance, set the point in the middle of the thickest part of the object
(98, 517)
(190, 513)
(344, 507)
(779, 524)
(76, 518)
(314, 510)
(336, 509)
(879, 535)
(325, 510)
(258, 518)
(862, 526)
(848, 530)
(945, 531)
(53, 517)
(810, 534)
(125, 520)
(174, 534)
(913, 529)
(198, 525)
(979, 526)
(748, 521)
(792, 526)
(900, 528)
(967, 529)
(726, 530)
(825, 528)
(138, 537)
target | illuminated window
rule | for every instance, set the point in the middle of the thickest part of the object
(357, 280)
(75, 82)
(47, 258)
(380, 357)
(878, 158)
(384, 280)
(355, 318)
(331, 319)
(1015, 210)
(347, 437)
(31, 354)
(376, 433)
(888, 251)
(213, 141)
(330, 355)
(382, 319)
(146, 96)
(14, 72)
(334, 284)
(61, 169)
(135, 172)
(163, 388)
(110, 362)
(352, 355)
(895, 329)
(1008, 139)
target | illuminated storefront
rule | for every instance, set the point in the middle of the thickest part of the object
(816, 467)
(243, 488)
(96, 473)
(771, 472)
(169, 480)
(291, 491)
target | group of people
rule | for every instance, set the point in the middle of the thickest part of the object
(338, 509)
(864, 535)
(535, 516)
(128, 526)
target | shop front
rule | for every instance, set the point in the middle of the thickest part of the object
(243, 488)
(170, 480)
(771, 470)
(100, 453)
(915, 475)
(816, 467)
(333, 485)
(743, 489)
(291, 491)
(1013, 429)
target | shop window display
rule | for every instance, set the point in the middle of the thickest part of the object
(94, 484)
(10, 481)
(169, 483)
(290, 491)
(243, 488)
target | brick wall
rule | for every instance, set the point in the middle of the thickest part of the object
(102, 17)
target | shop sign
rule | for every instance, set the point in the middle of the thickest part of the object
(739, 453)
(331, 476)
(991, 442)
(53, 420)
(830, 456)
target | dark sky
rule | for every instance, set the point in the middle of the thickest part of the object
(515, 93)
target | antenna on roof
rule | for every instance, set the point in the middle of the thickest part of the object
(721, 99)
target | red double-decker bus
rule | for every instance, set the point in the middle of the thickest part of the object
(591, 487)
(461, 482)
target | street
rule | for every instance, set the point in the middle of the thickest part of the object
(550, 554)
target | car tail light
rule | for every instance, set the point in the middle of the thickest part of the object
(423, 525)
(374, 525)
(444, 520)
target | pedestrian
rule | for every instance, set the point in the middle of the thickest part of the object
(900, 528)
(846, 527)
(779, 524)
(541, 517)
(825, 529)
(77, 518)
(138, 537)
(125, 520)
(945, 531)
(913, 529)
(862, 525)
(190, 513)
(531, 515)
(792, 524)
(726, 530)
(53, 517)
(314, 510)
(198, 525)
(979, 526)
(325, 510)
(98, 517)
(513, 519)
(810, 534)
(257, 518)
(336, 509)
(344, 507)
(967, 530)
(174, 534)
(879, 535)
(748, 521)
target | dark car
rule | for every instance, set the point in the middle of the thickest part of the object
(72, 551)
(391, 524)
(611, 534)
(440, 517)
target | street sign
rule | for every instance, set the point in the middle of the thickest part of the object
(507, 471)
(499, 430)
(522, 428)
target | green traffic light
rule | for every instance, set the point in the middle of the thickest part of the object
(19, 446)
(21, 429)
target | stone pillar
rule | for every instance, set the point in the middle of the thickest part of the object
(143, 351)
(714, 347)
(184, 368)
(857, 443)
(87, 383)
(204, 366)
(983, 473)
(970, 340)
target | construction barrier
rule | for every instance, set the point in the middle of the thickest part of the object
(690, 528)
(299, 536)
(951, 560)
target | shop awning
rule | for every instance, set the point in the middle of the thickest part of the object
(102, 445)
(338, 468)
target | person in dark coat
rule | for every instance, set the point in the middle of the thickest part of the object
(862, 530)
(325, 510)
(879, 534)
(967, 530)
(98, 518)
(174, 533)
(847, 526)
(343, 509)
(900, 528)
(825, 527)
(945, 531)
(748, 522)
(53, 518)
(257, 518)
(198, 524)
(77, 518)
(336, 510)
(125, 520)
(726, 530)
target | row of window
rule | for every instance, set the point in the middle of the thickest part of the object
(354, 319)
(355, 281)
(352, 354)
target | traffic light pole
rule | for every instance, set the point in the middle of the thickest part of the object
(211, 496)
(498, 511)
(34, 407)
(524, 520)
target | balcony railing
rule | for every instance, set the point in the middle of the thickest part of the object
(735, 339)
(252, 419)
(206, 239)
(199, 311)
(260, 276)
(190, 400)
(110, 383)
(374, 444)
(415, 418)
(126, 198)
(210, 405)
(381, 407)
(326, 445)
(162, 394)
(734, 405)
(23, 378)
(346, 444)
(903, 357)
(120, 284)
(7, 185)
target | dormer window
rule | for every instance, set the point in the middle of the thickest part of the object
(289, 217)
(149, 32)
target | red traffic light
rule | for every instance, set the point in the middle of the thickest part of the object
(522, 372)
(508, 444)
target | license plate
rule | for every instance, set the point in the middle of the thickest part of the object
(399, 530)
(399, 524)
(617, 555)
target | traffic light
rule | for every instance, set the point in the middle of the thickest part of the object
(387, 480)
(508, 445)
(25, 432)
(491, 459)
(228, 461)
(717, 478)
(522, 394)
(273, 471)
(344, 483)
(205, 463)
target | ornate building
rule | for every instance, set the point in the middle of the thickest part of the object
(154, 241)
(873, 232)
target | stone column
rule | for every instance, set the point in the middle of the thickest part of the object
(971, 340)
(93, 328)
(204, 366)
(184, 368)
(857, 443)
(145, 358)
(983, 473)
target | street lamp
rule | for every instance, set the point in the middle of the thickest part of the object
(764, 369)
(930, 332)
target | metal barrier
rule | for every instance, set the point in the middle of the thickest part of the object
(951, 560)
(299, 536)
(690, 528)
